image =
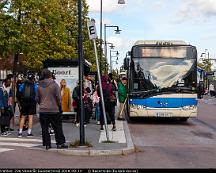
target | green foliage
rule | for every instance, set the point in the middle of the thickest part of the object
(76, 144)
(42, 29)
(206, 64)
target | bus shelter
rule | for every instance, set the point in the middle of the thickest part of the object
(67, 69)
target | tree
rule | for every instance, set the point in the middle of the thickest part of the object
(9, 33)
(206, 65)
(42, 29)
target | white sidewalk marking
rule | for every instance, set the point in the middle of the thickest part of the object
(23, 139)
(28, 145)
(5, 149)
(116, 136)
(20, 139)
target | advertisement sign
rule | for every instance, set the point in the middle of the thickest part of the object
(70, 74)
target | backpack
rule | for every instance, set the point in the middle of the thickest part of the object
(28, 92)
(106, 94)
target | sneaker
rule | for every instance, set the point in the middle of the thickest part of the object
(11, 129)
(8, 132)
(30, 135)
(25, 128)
(62, 146)
(4, 134)
(19, 135)
(77, 124)
(114, 128)
(98, 122)
(101, 129)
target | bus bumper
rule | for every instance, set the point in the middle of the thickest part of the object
(166, 112)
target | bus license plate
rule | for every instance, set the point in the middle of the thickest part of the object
(163, 114)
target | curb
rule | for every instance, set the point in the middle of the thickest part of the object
(94, 152)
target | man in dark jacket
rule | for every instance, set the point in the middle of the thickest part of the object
(49, 100)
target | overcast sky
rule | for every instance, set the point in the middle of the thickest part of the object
(193, 21)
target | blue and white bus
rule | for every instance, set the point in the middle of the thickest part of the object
(162, 79)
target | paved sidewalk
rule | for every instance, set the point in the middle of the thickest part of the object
(122, 143)
(208, 100)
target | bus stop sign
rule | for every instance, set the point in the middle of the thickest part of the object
(92, 29)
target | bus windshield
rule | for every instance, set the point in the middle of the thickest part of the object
(148, 74)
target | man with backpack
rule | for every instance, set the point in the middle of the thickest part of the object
(27, 100)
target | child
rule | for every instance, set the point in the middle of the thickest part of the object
(87, 105)
(95, 102)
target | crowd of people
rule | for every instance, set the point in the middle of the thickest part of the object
(53, 99)
(92, 101)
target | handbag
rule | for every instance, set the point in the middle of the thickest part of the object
(113, 98)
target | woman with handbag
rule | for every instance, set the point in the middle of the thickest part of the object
(5, 97)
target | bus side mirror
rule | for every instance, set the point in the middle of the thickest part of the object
(126, 63)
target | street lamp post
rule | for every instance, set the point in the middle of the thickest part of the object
(115, 61)
(117, 53)
(111, 47)
(101, 16)
(101, 12)
(206, 53)
(117, 31)
(81, 68)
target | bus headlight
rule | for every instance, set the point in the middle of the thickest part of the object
(191, 107)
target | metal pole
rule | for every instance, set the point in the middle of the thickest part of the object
(105, 45)
(101, 91)
(81, 62)
(110, 61)
(16, 58)
(101, 11)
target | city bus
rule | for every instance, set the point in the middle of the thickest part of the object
(162, 79)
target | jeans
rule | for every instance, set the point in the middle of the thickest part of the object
(97, 112)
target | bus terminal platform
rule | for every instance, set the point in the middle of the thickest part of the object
(120, 141)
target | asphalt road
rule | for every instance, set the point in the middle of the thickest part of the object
(159, 144)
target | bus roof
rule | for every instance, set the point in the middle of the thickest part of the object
(160, 42)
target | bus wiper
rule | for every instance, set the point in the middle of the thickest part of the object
(158, 91)
(187, 89)
(145, 93)
(179, 89)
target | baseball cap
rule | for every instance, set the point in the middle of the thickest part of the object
(124, 78)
